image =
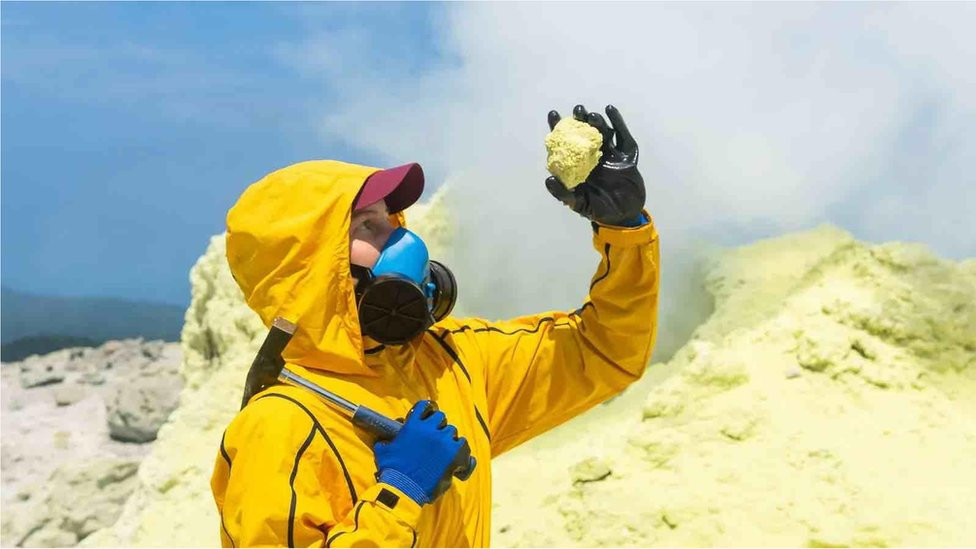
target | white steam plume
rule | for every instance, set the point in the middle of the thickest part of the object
(753, 119)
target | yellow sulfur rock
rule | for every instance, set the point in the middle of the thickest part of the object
(574, 150)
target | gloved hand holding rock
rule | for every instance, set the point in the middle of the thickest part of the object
(422, 458)
(613, 192)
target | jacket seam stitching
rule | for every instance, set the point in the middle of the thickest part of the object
(606, 253)
(291, 484)
(223, 450)
(457, 360)
(232, 544)
(481, 420)
(452, 354)
(560, 419)
(355, 522)
(579, 312)
(328, 440)
(527, 330)
(220, 508)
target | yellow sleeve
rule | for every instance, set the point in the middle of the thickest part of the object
(542, 370)
(278, 481)
(384, 517)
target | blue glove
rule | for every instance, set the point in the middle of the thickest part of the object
(422, 458)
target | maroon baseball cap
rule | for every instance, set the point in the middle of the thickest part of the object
(400, 186)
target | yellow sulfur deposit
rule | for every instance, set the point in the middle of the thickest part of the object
(829, 401)
(574, 150)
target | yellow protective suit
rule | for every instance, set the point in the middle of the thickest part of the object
(292, 471)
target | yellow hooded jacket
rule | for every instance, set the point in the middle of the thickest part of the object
(291, 471)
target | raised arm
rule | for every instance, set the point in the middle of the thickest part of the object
(541, 370)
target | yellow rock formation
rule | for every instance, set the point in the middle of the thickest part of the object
(830, 400)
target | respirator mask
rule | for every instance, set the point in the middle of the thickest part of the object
(405, 292)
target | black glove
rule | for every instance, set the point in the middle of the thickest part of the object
(613, 193)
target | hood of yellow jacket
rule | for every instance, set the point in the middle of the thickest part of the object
(288, 249)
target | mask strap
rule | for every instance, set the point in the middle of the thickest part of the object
(363, 276)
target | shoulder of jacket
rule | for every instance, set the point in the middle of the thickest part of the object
(282, 423)
(279, 408)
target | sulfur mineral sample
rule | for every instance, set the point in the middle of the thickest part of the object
(574, 150)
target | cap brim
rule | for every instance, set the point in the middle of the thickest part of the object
(400, 187)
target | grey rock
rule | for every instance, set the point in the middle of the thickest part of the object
(66, 394)
(142, 400)
(60, 482)
(50, 536)
(77, 500)
(36, 371)
(92, 378)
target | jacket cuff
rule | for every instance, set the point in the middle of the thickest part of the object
(390, 498)
(405, 484)
(625, 236)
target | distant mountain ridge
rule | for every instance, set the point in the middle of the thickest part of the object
(19, 349)
(93, 318)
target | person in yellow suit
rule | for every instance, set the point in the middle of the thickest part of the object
(324, 245)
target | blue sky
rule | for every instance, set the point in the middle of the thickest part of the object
(128, 129)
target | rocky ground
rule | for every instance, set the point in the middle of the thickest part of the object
(75, 425)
